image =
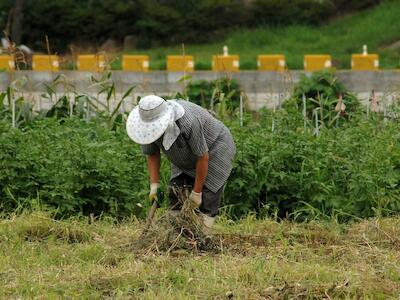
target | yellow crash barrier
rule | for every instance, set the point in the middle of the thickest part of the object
(271, 62)
(225, 63)
(7, 62)
(91, 62)
(135, 63)
(45, 63)
(317, 62)
(180, 63)
(365, 62)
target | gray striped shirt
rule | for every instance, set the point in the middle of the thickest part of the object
(201, 133)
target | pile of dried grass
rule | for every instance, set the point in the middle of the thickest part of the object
(185, 231)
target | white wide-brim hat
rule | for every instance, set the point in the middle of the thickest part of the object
(148, 121)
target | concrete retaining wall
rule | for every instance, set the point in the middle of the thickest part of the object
(263, 89)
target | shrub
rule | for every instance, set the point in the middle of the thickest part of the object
(211, 93)
(85, 168)
(155, 22)
(90, 167)
(322, 91)
(345, 172)
(71, 165)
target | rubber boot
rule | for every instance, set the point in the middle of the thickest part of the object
(208, 221)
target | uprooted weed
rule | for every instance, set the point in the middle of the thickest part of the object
(185, 231)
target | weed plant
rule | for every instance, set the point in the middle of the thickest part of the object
(82, 167)
(286, 164)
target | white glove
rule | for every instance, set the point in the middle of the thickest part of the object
(153, 191)
(195, 199)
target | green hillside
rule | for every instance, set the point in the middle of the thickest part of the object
(377, 27)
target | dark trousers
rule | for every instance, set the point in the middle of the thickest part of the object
(210, 201)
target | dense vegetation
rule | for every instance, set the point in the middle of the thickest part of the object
(303, 161)
(376, 27)
(348, 171)
(161, 22)
(72, 165)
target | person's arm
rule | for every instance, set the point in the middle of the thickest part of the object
(153, 164)
(198, 145)
(201, 173)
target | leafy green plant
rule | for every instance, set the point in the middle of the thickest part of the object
(221, 95)
(74, 166)
(13, 107)
(66, 104)
(107, 87)
(346, 172)
(319, 96)
(77, 158)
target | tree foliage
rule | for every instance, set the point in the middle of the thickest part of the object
(154, 22)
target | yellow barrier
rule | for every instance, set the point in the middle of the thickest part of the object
(180, 63)
(271, 62)
(7, 62)
(135, 63)
(45, 63)
(365, 62)
(317, 62)
(91, 62)
(225, 63)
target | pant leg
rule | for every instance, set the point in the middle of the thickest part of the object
(210, 200)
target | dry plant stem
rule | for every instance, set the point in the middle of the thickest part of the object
(74, 58)
(49, 55)
(184, 69)
(183, 232)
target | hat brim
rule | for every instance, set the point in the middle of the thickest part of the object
(145, 133)
(179, 110)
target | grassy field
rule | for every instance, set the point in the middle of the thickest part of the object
(377, 27)
(260, 259)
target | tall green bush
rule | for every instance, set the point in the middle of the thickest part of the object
(81, 167)
(319, 93)
(211, 94)
(353, 171)
(72, 165)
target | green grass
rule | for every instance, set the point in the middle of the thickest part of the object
(85, 258)
(377, 27)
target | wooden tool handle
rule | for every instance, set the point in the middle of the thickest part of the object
(150, 216)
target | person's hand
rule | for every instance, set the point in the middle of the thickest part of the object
(153, 191)
(195, 199)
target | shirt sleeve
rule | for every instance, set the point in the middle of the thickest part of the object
(150, 149)
(196, 139)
